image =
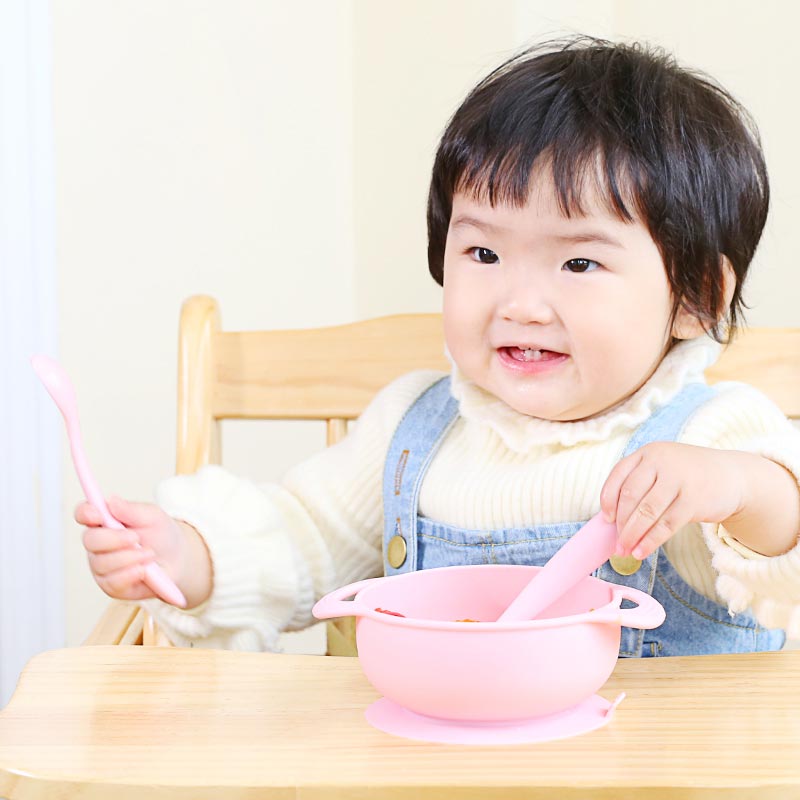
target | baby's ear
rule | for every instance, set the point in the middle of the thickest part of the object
(687, 325)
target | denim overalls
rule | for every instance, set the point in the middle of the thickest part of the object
(694, 625)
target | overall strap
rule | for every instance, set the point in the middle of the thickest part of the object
(417, 438)
(666, 424)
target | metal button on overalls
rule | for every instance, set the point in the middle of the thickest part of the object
(396, 551)
(624, 565)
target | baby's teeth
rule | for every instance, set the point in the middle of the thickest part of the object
(532, 355)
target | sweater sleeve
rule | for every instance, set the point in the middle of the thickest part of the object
(742, 418)
(277, 548)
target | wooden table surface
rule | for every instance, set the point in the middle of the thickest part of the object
(140, 722)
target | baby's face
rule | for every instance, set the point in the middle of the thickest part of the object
(560, 318)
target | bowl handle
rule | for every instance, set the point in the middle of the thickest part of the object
(333, 604)
(649, 613)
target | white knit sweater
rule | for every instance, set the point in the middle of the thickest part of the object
(277, 548)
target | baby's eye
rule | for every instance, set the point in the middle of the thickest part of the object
(581, 265)
(483, 255)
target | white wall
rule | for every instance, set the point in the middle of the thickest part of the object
(276, 155)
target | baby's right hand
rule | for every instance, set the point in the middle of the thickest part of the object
(117, 558)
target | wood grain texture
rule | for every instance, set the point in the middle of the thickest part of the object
(320, 373)
(767, 358)
(121, 623)
(198, 430)
(141, 722)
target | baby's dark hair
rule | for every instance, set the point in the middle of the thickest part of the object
(663, 143)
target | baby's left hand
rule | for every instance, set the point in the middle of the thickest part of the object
(655, 491)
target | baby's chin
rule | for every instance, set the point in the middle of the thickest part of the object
(576, 413)
(566, 416)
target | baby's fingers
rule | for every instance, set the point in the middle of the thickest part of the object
(674, 517)
(108, 540)
(125, 584)
(636, 511)
(610, 493)
(103, 564)
(652, 521)
(86, 514)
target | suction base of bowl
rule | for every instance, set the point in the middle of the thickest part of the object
(587, 716)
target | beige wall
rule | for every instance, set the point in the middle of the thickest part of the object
(276, 155)
(201, 147)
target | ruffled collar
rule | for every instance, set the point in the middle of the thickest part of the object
(685, 363)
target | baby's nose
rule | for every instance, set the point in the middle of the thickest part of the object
(526, 304)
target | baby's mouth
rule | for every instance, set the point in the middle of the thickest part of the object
(530, 354)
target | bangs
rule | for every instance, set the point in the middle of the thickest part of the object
(609, 178)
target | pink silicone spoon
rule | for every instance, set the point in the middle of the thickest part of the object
(590, 547)
(60, 388)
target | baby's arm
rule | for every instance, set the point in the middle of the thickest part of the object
(768, 521)
(766, 447)
(657, 490)
(742, 419)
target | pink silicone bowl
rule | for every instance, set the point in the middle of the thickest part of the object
(486, 671)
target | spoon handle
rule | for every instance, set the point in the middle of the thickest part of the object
(590, 547)
(86, 478)
(163, 585)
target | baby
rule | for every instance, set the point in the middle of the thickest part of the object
(592, 215)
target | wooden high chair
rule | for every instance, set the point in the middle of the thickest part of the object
(326, 374)
(331, 374)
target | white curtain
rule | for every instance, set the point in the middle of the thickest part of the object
(31, 560)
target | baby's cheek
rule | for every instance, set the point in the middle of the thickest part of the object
(609, 378)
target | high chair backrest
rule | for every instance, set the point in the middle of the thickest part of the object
(328, 374)
(332, 373)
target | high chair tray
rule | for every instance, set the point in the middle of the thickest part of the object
(136, 722)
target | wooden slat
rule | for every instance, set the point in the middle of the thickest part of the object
(335, 372)
(767, 358)
(135, 632)
(152, 635)
(341, 637)
(340, 634)
(198, 432)
(117, 625)
(336, 430)
(324, 372)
